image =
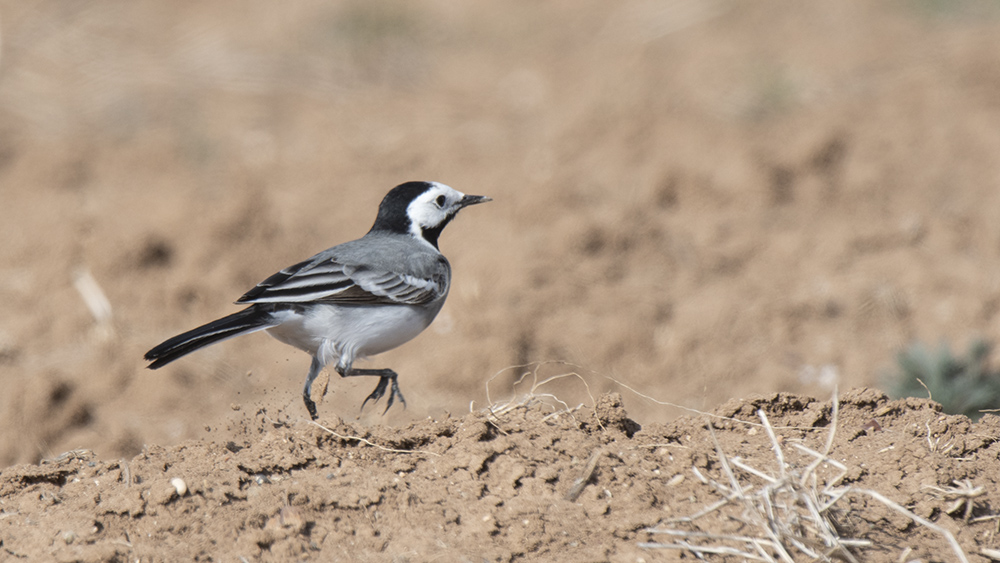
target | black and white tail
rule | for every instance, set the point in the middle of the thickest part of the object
(248, 320)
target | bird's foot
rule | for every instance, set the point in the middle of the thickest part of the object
(310, 406)
(379, 392)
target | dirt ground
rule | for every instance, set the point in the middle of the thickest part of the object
(694, 203)
(528, 483)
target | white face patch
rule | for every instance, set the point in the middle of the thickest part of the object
(432, 208)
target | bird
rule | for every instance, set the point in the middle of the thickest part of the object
(354, 300)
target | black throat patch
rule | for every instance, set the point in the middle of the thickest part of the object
(431, 235)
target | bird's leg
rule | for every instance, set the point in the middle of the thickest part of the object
(386, 376)
(314, 370)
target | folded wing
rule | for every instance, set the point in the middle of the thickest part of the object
(328, 281)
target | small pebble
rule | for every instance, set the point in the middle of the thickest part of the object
(180, 486)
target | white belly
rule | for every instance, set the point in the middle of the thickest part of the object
(344, 333)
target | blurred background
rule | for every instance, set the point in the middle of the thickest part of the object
(697, 200)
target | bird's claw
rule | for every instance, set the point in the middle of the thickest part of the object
(379, 392)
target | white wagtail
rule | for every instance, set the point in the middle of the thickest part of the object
(354, 300)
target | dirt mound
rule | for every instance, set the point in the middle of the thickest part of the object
(527, 482)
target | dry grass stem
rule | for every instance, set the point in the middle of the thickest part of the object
(793, 510)
(370, 443)
(961, 495)
(703, 413)
(96, 301)
(922, 521)
(533, 396)
(993, 554)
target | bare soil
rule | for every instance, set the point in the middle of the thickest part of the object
(694, 203)
(531, 483)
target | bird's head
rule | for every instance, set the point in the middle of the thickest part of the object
(422, 209)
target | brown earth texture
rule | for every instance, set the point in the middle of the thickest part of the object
(707, 218)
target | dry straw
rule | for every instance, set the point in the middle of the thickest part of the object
(793, 513)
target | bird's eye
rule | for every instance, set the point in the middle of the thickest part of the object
(440, 200)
